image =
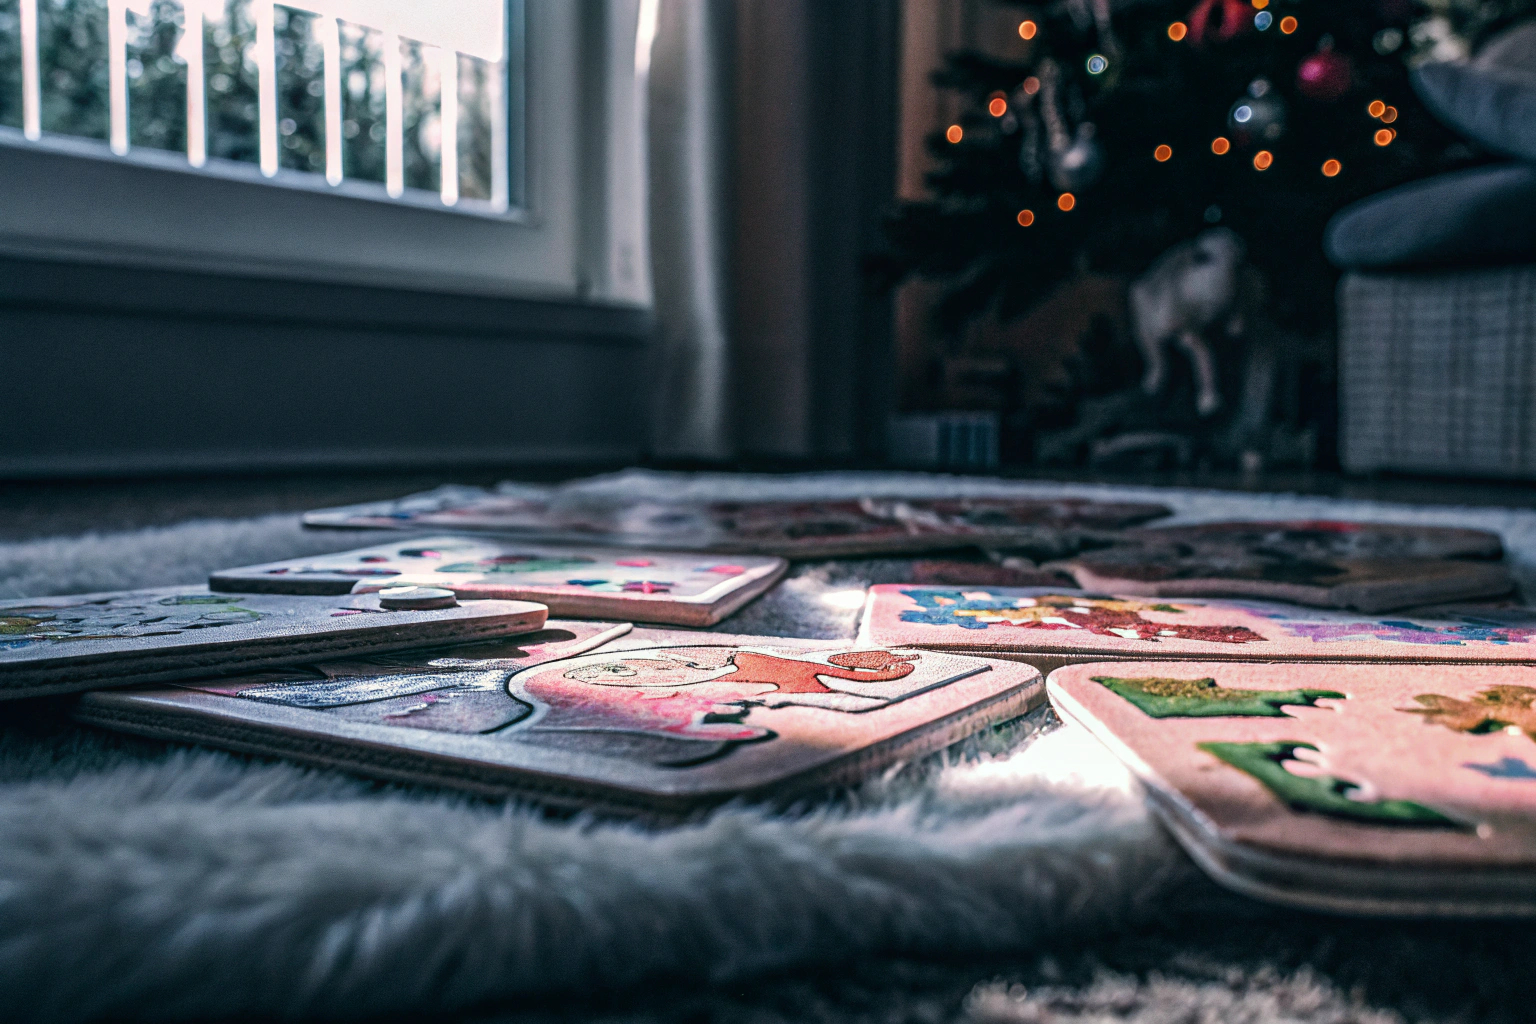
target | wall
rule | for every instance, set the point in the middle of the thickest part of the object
(111, 371)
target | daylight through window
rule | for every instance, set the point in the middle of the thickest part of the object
(400, 93)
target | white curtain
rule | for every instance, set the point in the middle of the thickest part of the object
(689, 166)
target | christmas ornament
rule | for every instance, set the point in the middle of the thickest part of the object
(1259, 115)
(1219, 20)
(1079, 165)
(1324, 75)
(1388, 40)
(1073, 161)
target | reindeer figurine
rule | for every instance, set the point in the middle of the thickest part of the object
(1191, 288)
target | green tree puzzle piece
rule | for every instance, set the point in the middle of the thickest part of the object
(1320, 794)
(1202, 698)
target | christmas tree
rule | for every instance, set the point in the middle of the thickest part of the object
(1131, 127)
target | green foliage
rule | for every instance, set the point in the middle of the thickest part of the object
(1202, 698)
(10, 63)
(73, 66)
(479, 82)
(1320, 794)
(229, 62)
(157, 79)
(300, 90)
(362, 103)
(1157, 91)
(420, 125)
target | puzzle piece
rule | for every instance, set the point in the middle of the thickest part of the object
(1203, 698)
(1498, 707)
(1319, 794)
(1099, 616)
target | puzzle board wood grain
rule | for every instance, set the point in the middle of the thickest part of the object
(1408, 789)
(575, 582)
(664, 729)
(64, 644)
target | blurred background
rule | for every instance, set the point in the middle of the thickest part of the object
(476, 238)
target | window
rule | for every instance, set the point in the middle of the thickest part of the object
(310, 139)
(387, 94)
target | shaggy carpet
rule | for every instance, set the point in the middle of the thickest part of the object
(151, 881)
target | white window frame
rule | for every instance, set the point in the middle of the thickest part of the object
(574, 227)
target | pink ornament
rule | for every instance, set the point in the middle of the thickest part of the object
(1324, 76)
(1219, 20)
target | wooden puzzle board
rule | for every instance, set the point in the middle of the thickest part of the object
(65, 644)
(575, 582)
(663, 729)
(1050, 627)
(1409, 789)
(792, 529)
(1360, 584)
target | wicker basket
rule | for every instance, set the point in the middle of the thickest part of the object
(1437, 372)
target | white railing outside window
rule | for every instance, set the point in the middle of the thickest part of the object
(392, 98)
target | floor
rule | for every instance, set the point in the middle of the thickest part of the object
(39, 508)
(1413, 971)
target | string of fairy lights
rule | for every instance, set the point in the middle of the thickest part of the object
(1096, 64)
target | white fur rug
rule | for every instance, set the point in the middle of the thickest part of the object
(143, 881)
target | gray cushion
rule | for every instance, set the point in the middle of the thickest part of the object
(1479, 216)
(1492, 106)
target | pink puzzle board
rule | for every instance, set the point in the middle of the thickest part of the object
(686, 722)
(1408, 789)
(575, 582)
(1051, 627)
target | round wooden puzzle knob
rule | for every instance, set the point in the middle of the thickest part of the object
(416, 598)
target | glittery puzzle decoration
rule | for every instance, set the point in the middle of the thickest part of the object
(120, 616)
(1124, 619)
